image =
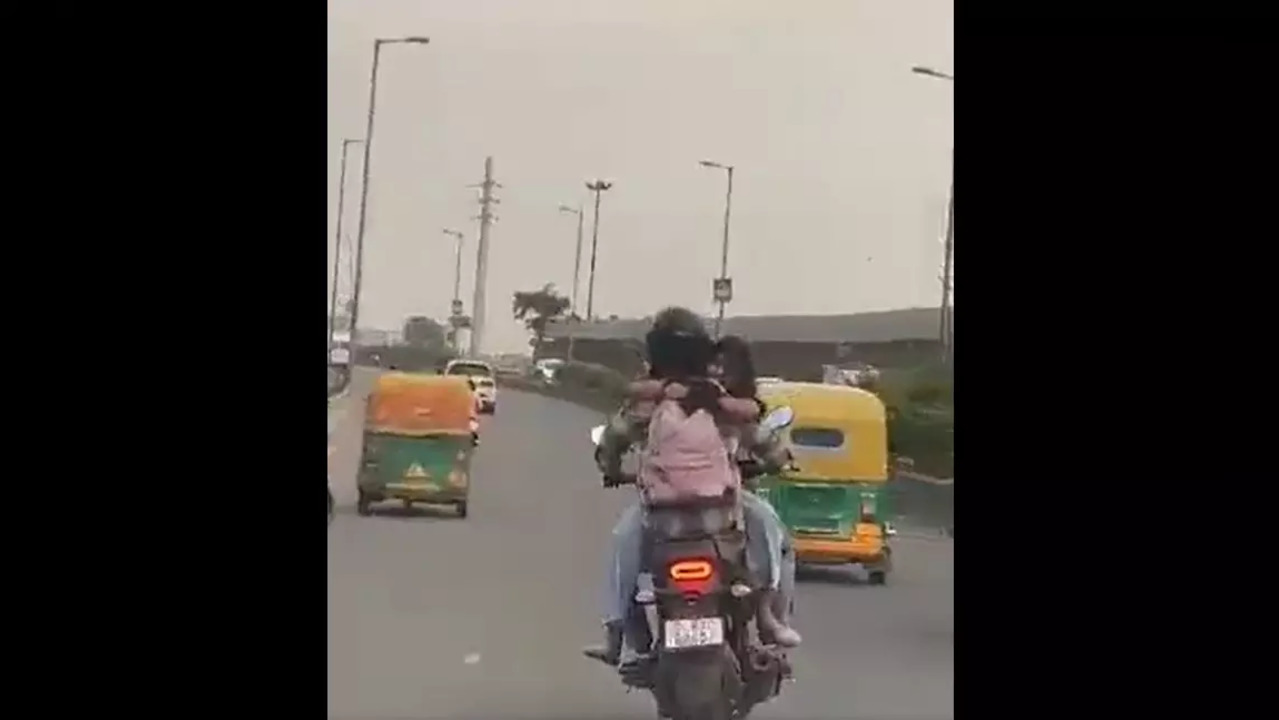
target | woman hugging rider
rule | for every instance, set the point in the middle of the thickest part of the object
(680, 356)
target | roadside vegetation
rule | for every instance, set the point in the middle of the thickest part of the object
(920, 406)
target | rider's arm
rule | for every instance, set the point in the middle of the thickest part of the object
(645, 390)
(740, 409)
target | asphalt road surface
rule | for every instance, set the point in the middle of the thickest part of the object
(436, 617)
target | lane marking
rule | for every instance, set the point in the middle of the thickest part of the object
(472, 659)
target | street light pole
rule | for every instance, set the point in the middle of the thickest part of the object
(948, 267)
(455, 307)
(357, 284)
(723, 261)
(597, 187)
(577, 268)
(457, 265)
(946, 321)
(337, 245)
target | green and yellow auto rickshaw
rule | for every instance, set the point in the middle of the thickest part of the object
(419, 438)
(833, 498)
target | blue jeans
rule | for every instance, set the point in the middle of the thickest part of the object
(769, 555)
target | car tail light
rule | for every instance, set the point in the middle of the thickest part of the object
(692, 576)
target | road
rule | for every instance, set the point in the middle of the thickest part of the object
(434, 617)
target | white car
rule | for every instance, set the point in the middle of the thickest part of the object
(481, 373)
(546, 368)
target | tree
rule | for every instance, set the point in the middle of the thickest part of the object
(423, 332)
(537, 308)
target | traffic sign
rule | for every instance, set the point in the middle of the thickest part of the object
(722, 289)
(456, 308)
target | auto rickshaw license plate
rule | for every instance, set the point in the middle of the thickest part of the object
(693, 633)
(420, 486)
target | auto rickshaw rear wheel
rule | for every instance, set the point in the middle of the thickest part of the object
(879, 576)
(362, 504)
(461, 509)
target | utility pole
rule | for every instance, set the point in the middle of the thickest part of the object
(486, 218)
(597, 187)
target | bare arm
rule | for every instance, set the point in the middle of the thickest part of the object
(740, 409)
(645, 390)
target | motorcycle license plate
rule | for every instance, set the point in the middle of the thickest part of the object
(693, 633)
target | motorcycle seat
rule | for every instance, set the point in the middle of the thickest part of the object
(689, 522)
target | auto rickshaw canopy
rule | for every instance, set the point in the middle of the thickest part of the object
(839, 432)
(418, 404)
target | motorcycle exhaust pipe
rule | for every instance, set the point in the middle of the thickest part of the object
(763, 662)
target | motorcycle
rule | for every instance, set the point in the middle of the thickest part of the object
(695, 630)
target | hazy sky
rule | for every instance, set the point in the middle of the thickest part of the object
(842, 155)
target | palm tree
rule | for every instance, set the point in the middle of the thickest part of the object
(537, 308)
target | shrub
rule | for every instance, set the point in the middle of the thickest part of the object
(921, 405)
(926, 436)
(596, 378)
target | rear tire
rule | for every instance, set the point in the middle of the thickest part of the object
(878, 577)
(697, 692)
(462, 509)
(363, 506)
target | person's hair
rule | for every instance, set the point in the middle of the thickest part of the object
(678, 346)
(739, 367)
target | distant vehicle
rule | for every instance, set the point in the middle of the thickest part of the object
(481, 373)
(546, 368)
(340, 348)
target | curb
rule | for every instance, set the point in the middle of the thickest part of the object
(928, 479)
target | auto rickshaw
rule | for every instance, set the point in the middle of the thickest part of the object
(833, 497)
(419, 438)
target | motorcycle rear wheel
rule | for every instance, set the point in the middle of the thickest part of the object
(698, 691)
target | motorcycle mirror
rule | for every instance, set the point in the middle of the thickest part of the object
(597, 435)
(778, 419)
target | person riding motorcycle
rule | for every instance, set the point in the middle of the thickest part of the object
(680, 355)
(770, 551)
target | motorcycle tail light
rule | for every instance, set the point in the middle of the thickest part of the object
(692, 576)
(691, 570)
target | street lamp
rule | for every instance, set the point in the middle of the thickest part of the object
(337, 245)
(577, 267)
(597, 187)
(947, 319)
(364, 189)
(930, 72)
(723, 286)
